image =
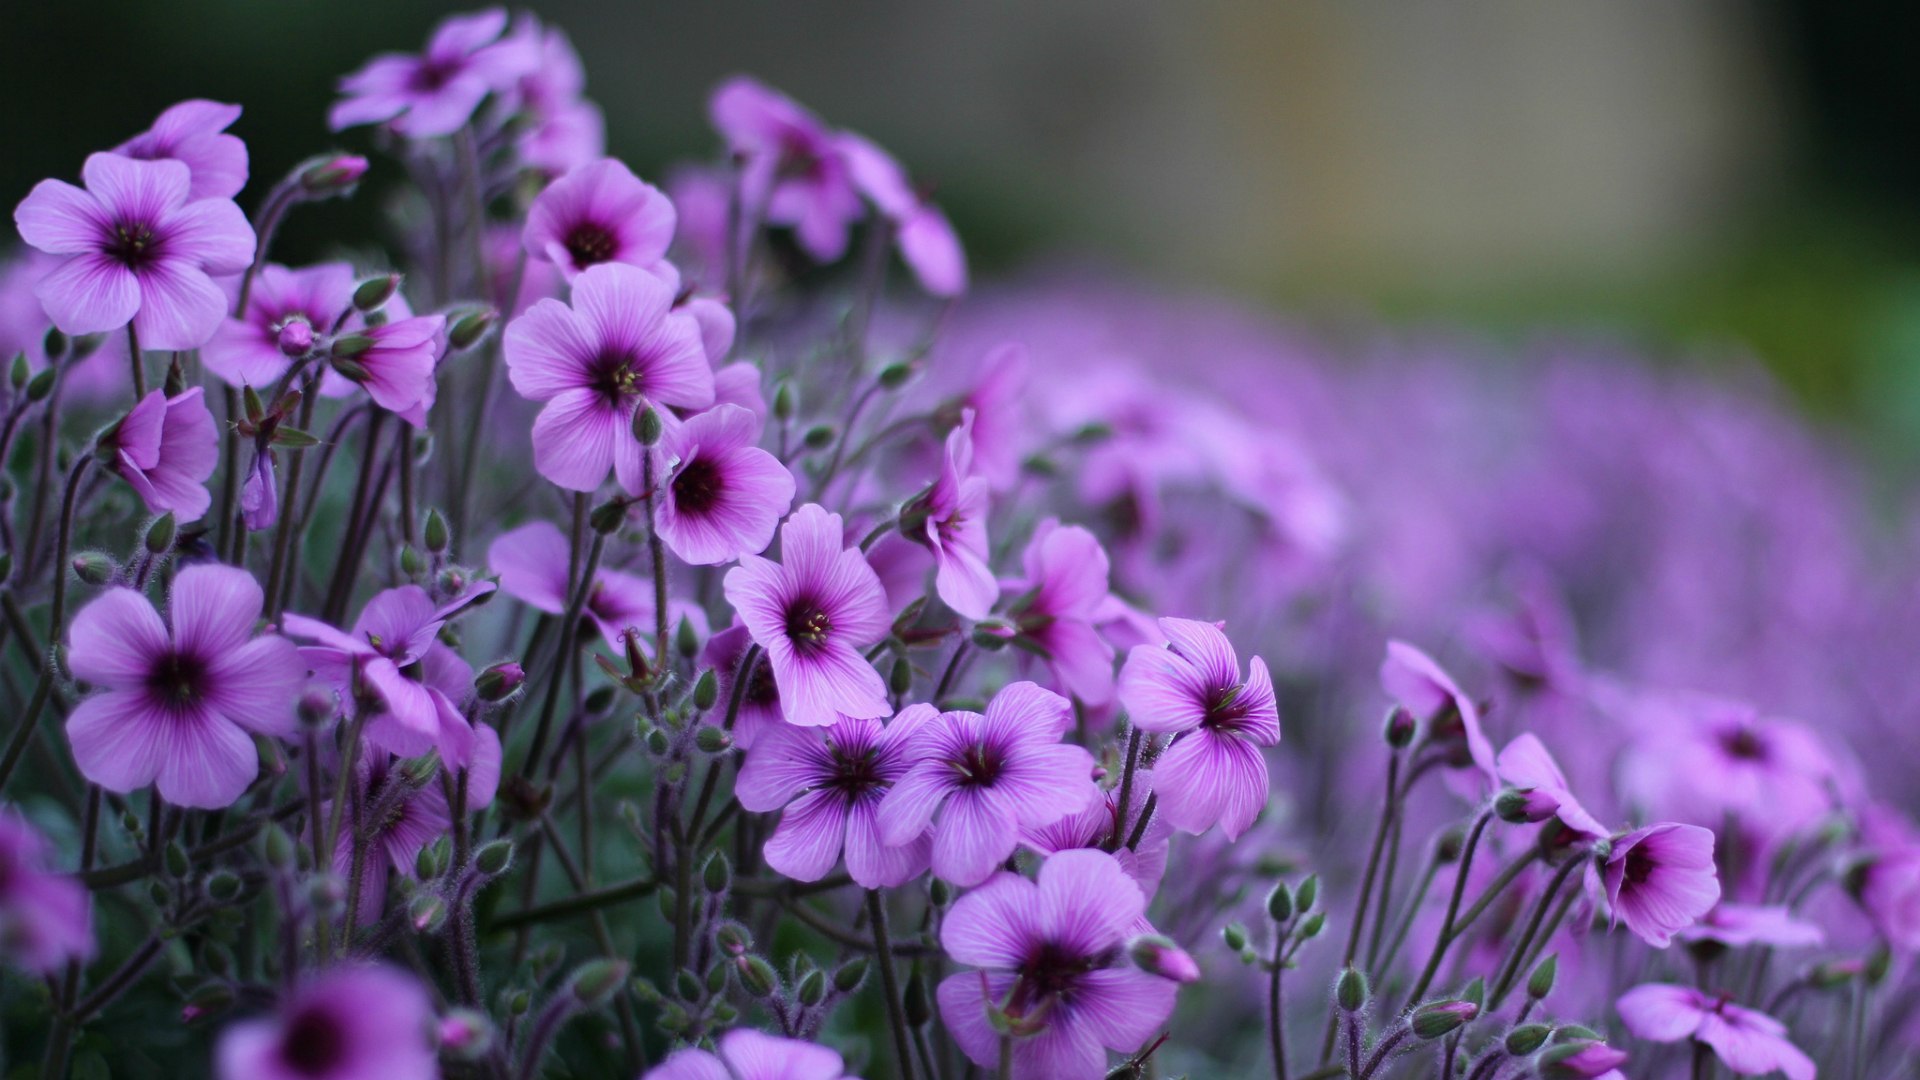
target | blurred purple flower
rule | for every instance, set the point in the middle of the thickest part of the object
(1057, 603)
(793, 168)
(46, 919)
(927, 242)
(394, 362)
(1746, 1041)
(759, 702)
(950, 517)
(1542, 787)
(1419, 685)
(746, 1054)
(532, 562)
(435, 92)
(1740, 925)
(355, 1022)
(194, 133)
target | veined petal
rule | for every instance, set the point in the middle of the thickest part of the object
(116, 639)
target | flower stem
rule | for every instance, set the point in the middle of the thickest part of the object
(1359, 918)
(137, 360)
(1276, 1018)
(890, 982)
(1453, 907)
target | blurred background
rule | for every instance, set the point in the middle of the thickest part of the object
(1708, 179)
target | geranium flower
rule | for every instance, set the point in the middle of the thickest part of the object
(1747, 1041)
(194, 134)
(950, 517)
(1542, 787)
(287, 313)
(165, 448)
(600, 213)
(620, 348)
(533, 564)
(46, 919)
(759, 702)
(723, 495)
(138, 249)
(179, 702)
(986, 776)
(394, 362)
(746, 1054)
(1739, 925)
(927, 242)
(1424, 689)
(1214, 772)
(436, 92)
(813, 612)
(1660, 879)
(1057, 604)
(1052, 953)
(793, 167)
(355, 1022)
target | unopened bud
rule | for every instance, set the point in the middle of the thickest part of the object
(1400, 728)
(40, 385)
(332, 174)
(19, 373)
(894, 376)
(54, 344)
(277, 848)
(812, 989)
(686, 639)
(1234, 936)
(494, 859)
(756, 975)
(1351, 991)
(465, 1033)
(647, 427)
(500, 681)
(94, 567)
(718, 874)
(940, 893)
(412, 563)
(1540, 983)
(607, 518)
(467, 330)
(223, 886)
(1156, 954)
(713, 740)
(900, 675)
(596, 980)
(373, 293)
(1280, 903)
(1307, 893)
(786, 400)
(1311, 926)
(427, 913)
(818, 437)
(1442, 1018)
(517, 1002)
(848, 976)
(1527, 1038)
(1578, 1061)
(706, 690)
(435, 533)
(431, 861)
(160, 534)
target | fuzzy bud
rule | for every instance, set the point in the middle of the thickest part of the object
(466, 331)
(54, 344)
(1583, 1060)
(500, 681)
(223, 886)
(494, 859)
(1351, 991)
(40, 386)
(894, 376)
(1442, 1018)
(516, 1002)
(277, 848)
(757, 976)
(412, 563)
(686, 639)
(596, 980)
(1234, 936)
(1309, 890)
(818, 437)
(733, 938)
(466, 1034)
(331, 174)
(1540, 983)
(713, 740)
(373, 293)
(706, 690)
(427, 913)
(1280, 903)
(786, 401)
(1400, 728)
(718, 875)
(812, 989)
(160, 534)
(1156, 954)
(431, 861)
(19, 373)
(848, 976)
(1311, 926)
(1527, 1038)
(647, 426)
(435, 533)
(94, 567)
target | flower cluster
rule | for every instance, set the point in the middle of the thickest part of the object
(641, 630)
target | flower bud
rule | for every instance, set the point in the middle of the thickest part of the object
(757, 976)
(647, 427)
(812, 989)
(94, 567)
(1400, 728)
(1577, 1061)
(40, 385)
(657, 742)
(494, 859)
(1540, 983)
(160, 534)
(818, 437)
(431, 861)
(1527, 1038)
(500, 681)
(1442, 1018)
(223, 886)
(177, 863)
(1351, 991)
(1515, 806)
(1311, 926)
(427, 913)
(276, 847)
(939, 893)
(706, 690)
(1280, 903)
(894, 376)
(373, 293)
(686, 639)
(1234, 935)
(412, 563)
(466, 1034)
(331, 174)
(435, 533)
(713, 740)
(295, 339)
(467, 330)
(786, 400)
(1309, 890)
(900, 676)
(718, 874)
(596, 980)
(733, 938)
(19, 373)
(1156, 954)
(516, 1002)
(848, 976)
(54, 345)
(211, 998)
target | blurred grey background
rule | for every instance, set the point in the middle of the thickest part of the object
(1739, 176)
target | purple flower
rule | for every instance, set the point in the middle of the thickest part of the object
(831, 782)
(533, 561)
(165, 448)
(1709, 759)
(436, 92)
(260, 494)
(951, 515)
(1660, 879)
(394, 664)
(1094, 825)
(287, 312)
(1058, 603)
(563, 130)
(813, 612)
(723, 495)
(620, 348)
(351, 1023)
(746, 1054)
(926, 240)
(394, 362)
(760, 702)
(418, 818)
(194, 134)
(1214, 772)
(1052, 957)
(46, 919)
(1419, 685)
(1746, 1041)
(987, 777)
(1542, 787)
(1888, 878)
(137, 250)
(793, 167)
(599, 213)
(177, 705)
(1740, 925)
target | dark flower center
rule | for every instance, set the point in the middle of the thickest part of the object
(855, 774)
(1049, 974)
(1225, 711)
(314, 1045)
(431, 75)
(698, 486)
(978, 765)
(761, 689)
(589, 244)
(1742, 744)
(134, 244)
(176, 677)
(615, 377)
(808, 626)
(1640, 865)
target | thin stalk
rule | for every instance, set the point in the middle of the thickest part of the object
(137, 359)
(1453, 907)
(890, 982)
(1276, 1014)
(1359, 918)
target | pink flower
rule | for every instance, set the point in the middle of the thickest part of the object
(951, 517)
(194, 134)
(1542, 787)
(618, 349)
(1094, 826)
(563, 130)
(411, 684)
(418, 818)
(1419, 685)
(287, 313)
(138, 249)
(793, 167)
(165, 448)
(177, 705)
(1053, 953)
(813, 612)
(926, 240)
(599, 213)
(1660, 879)
(831, 782)
(1057, 604)
(723, 495)
(759, 702)
(533, 562)
(436, 92)
(1707, 759)
(986, 777)
(260, 493)
(1740, 925)
(1748, 1042)
(1214, 772)
(394, 362)
(1887, 881)
(46, 919)
(746, 1054)
(351, 1023)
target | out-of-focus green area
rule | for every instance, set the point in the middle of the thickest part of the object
(1741, 178)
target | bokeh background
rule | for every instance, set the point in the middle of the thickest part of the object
(1710, 180)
